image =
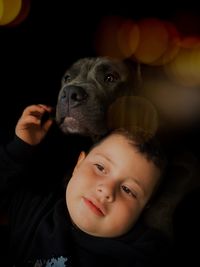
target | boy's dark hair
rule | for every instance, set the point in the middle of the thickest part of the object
(150, 148)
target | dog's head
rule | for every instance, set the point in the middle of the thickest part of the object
(89, 87)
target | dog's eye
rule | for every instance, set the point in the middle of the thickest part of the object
(111, 77)
(67, 78)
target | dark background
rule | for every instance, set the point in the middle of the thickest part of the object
(35, 54)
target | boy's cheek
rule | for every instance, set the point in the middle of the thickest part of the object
(77, 170)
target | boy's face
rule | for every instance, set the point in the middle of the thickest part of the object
(110, 187)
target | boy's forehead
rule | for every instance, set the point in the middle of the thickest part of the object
(114, 143)
(110, 141)
(114, 138)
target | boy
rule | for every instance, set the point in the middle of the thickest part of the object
(96, 221)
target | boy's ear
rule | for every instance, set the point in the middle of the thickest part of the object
(81, 157)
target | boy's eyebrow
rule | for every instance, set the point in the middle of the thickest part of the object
(106, 157)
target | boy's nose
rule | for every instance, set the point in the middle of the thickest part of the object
(106, 191)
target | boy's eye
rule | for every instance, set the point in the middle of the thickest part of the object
(100, 167)
(129, 192)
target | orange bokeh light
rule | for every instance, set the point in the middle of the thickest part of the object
(128, 37)
(106, 39)
(153, 40)
(173, 45)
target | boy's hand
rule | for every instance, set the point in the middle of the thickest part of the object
(29, 127)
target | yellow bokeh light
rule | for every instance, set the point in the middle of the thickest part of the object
(1, 8)
(179, 68)
(11, 9)
(184, 69)
(23, 14)
(195, 65)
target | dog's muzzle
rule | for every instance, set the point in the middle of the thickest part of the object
(73, 96)
(72, 100)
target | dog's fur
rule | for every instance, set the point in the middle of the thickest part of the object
(89, 87)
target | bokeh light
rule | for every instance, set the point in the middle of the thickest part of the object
(184, 69)
(153, 40)
(190, 42)
(128, 37)
(178, 105)
(135, 114)
(173, 45)
(11, 9)
(1, 9)
(106, 40)
(23, 14)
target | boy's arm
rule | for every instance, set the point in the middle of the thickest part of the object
(28, 134)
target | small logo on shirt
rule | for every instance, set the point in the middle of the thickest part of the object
(53, 262)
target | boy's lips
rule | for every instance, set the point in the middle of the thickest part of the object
(96, 208)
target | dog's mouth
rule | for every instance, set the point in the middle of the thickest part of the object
(70, 124)
(81, 122)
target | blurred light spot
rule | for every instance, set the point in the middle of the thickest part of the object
(190, 42)
(1, 9)
(173, 45)
(177, 105)
(128, 37)
(11, 9)
(23, 14)
(184, 69)
(136, 114)
(106, 39)
(153, 40)
(195, 65)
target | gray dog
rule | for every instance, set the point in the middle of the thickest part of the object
(89, 86)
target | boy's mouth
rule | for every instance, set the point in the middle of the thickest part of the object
(93, 207)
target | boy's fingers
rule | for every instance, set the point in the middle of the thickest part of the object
(38, 115)
(46, 108)
(31, 120)
(37, 109)
(32, 110)
(36, 119)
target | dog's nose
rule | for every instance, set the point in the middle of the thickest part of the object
(74, 95)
